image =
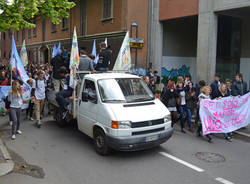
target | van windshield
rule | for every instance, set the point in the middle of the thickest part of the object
(124, 90)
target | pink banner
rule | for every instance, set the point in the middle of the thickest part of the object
(225, 115)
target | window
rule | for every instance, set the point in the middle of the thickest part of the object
(23, 34)
(53, 28)
(89, 88)
(107, 9)
(64, 24)
(17, 35)
(34, 29)
(124, 90)
(4, 36)
(29, 33)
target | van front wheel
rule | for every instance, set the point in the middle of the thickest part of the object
(101, 146)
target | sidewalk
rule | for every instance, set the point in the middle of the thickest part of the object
(6, 163)
(243, 133)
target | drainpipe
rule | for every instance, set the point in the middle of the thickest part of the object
(150, 16)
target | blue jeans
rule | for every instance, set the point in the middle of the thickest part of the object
(183, 109)
(61, 98)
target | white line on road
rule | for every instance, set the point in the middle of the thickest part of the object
(182, 162)
(223, 181)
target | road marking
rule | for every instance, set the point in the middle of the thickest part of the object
(223, 181)
(182, 162)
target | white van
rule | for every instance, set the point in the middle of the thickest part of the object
(120, 112)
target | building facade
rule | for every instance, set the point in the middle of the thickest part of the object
(201, 37)
(93, 19)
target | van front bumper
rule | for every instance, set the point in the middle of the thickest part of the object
(138, 142)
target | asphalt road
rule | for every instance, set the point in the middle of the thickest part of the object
(67, 156)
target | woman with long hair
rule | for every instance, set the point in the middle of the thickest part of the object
(15, 98)
(169, 99)
(223, 92)
(182, 89)
(205, 94)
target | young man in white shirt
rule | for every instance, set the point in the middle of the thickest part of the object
(38, 96)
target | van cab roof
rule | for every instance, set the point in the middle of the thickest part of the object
(98, 76)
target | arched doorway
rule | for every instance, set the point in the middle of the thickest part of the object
(44, 54)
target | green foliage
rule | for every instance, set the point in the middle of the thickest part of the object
(18, 14)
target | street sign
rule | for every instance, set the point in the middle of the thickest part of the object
(136, 43)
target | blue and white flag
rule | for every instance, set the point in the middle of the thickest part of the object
(95, 54)
(54, 51)
(94, 48)
(16, 64)
(58, 48)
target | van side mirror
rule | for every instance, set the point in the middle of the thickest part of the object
(84, 96)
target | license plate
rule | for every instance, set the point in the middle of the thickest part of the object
(151, 138)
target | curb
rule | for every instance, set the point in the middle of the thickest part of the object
(242, 135)
(7, 167)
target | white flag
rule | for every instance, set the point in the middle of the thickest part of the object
(106, 42)
(23, 54)
(74, 57)
(123, 61)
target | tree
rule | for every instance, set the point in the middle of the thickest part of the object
(18, 14)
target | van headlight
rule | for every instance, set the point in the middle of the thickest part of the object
(124, 124)
(167, 118)
(121, 124)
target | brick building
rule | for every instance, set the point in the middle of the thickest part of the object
(94, 19)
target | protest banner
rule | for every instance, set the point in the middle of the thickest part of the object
(225, 115)
(4, 90)
(123, 61)
(74, 58)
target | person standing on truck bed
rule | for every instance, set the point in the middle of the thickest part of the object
(85, 63)
(62, 95)
(104, 58)
(38, 95)
(57, 63)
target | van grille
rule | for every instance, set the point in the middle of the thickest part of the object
(147, 123)
(148, 131)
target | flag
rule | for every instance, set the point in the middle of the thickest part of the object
(123, 61)
(74, 57)
(94, 53)
(106, 42)
(96, 60)
(23, 54)
(94, 48)
(16, 64)
(54, 51)
(58, 49)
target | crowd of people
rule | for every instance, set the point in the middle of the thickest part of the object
(43, 78)
(182, 98)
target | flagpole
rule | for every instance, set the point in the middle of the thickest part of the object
(11, 75)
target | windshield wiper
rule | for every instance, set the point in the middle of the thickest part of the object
(141, 99)
(114, 100)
